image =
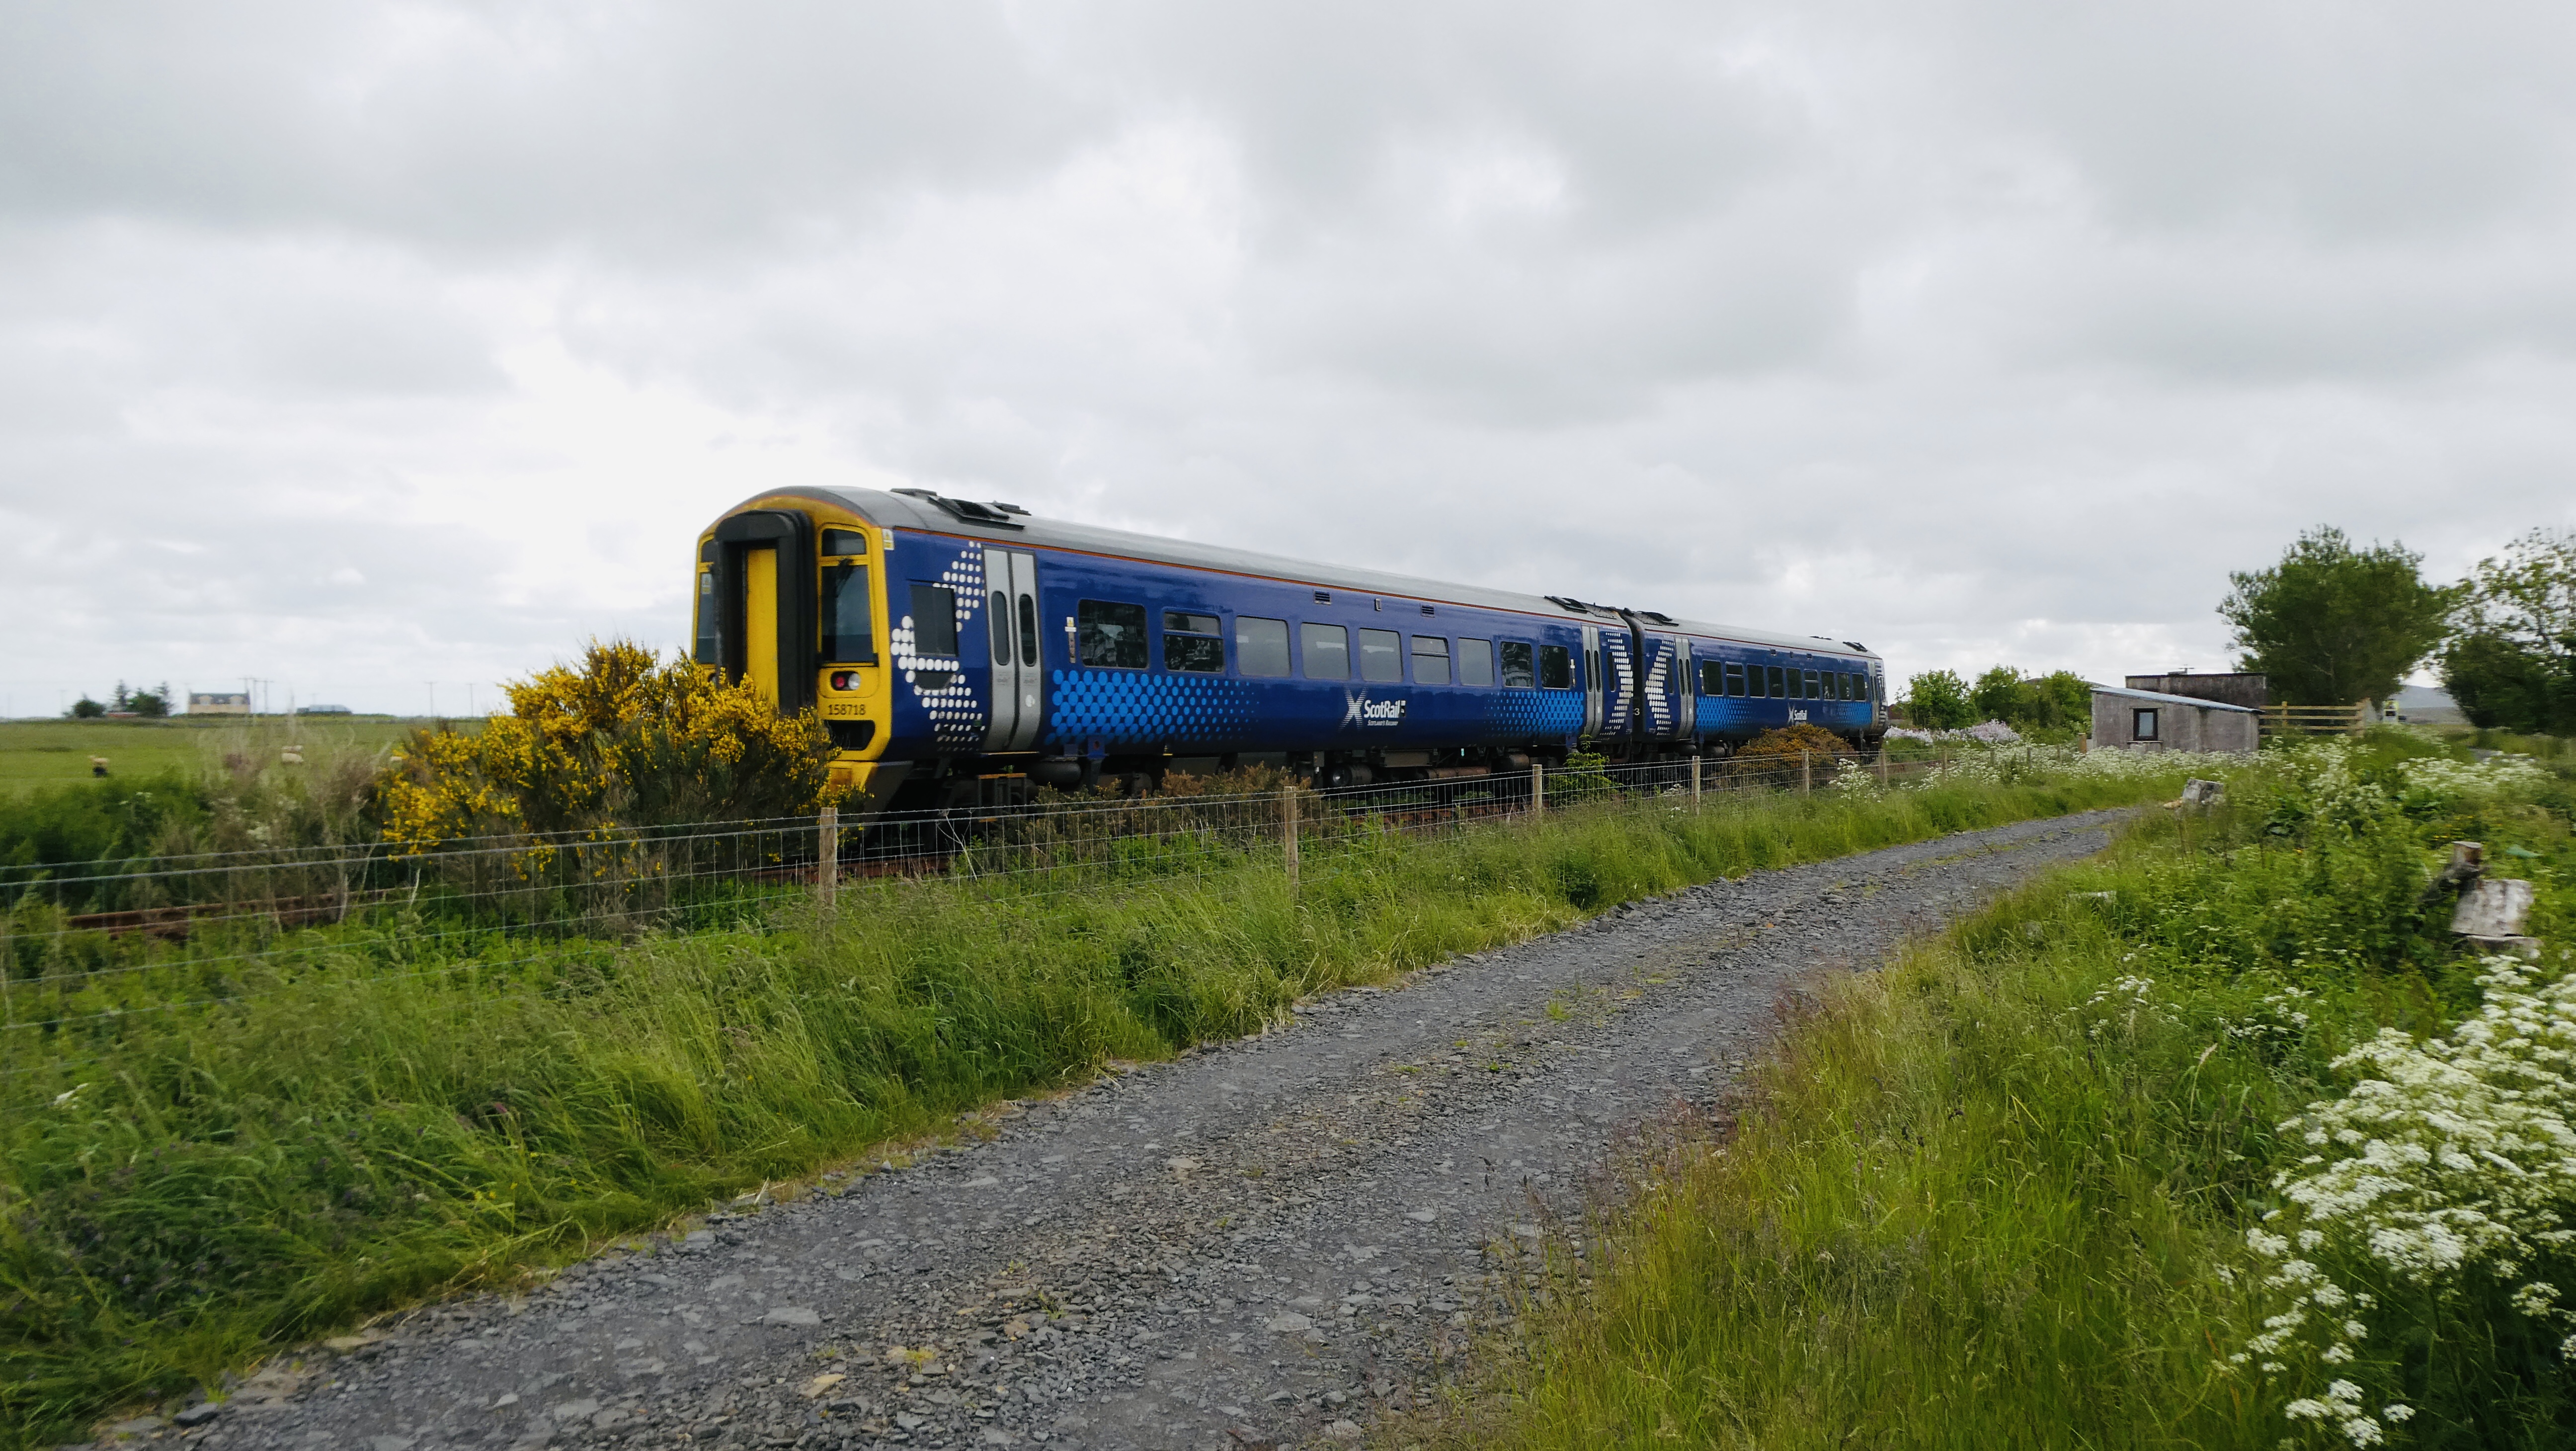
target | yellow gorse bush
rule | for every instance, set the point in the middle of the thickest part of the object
(619, 738)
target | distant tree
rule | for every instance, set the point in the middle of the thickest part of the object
(2000, 695)
(122, 696)
(1937, 700)
(2335, 625)
(2511, 658)
(148, 703)
(2064, 700)
(87, 709)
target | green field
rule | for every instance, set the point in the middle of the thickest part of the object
(37, 753)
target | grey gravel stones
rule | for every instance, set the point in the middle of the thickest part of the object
(1268, 1242)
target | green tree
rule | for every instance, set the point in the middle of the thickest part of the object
(2511, 658)
(1938, 700)
(2000, 695)
(2065, 700)
(2334, 625)
(87, 709)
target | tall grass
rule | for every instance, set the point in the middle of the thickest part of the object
(1997, 1193)
(181, 1189)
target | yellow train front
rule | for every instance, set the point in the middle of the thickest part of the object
(963, 653)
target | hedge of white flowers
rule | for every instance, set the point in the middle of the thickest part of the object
(2450, 1159)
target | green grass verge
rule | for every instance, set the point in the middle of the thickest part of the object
(57, 753)
(353, 1135)
(1997, 1194)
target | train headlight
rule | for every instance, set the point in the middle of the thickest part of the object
(845, 680)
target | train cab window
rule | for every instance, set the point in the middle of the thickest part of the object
(849, 634)
(1381, 656)
(1518, 671)
(1556, 667)
(710, 647)
(1430, 660)
(1110, 634)
(1475, 662)
(843, 541)
(1260, 646)
(1779, 686)
(934, 620)
(1327, 649)
(1192, 642)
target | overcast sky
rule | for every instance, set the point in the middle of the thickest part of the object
(358, 347)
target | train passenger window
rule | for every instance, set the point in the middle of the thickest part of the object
(1851, 686)
(1475, 662)
(1327, 649)
(934, 620)
(710, 649)
(1430, 660)
(849, 634)
(1111, 634)
(1518, 672)
(1260, 646)
(999, 618)
(1191, 642)
(1381, 656)
(843, 541)
(1815, 691)
(1712, 677)
(1779, 687)
(1735, 680)
(1556, 667)
(1028, 629)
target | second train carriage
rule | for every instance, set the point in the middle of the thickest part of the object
(962, 652)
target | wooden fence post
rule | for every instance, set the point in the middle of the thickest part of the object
(1806, 773)
(827, 855)
(1288, 834)
(1882, 765)
(1694, 784)
(1538, 788)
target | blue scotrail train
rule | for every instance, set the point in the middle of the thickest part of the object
(963, 654)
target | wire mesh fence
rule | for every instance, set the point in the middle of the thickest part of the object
(86, 946)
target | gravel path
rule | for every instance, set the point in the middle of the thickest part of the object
(1257, 1245)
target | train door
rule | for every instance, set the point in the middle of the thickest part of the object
(1660, 689)
(1617, 665)
(1011, 600)
(1591, 682)
(765, 586)
(1686, 682)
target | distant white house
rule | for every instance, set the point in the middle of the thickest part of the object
(215, 702)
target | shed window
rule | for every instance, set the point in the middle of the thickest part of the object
(2146, 726)
(1475, 662)
(934, 620)
(1556, 667)
(1327, 649)
(1430, 660)
(1381, 656)
(1518, 672)
(1260, 646)
(1111, 634)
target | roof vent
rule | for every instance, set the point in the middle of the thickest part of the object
(991, 516)
(1857, 645)
(1659, 617)
(1569, 602)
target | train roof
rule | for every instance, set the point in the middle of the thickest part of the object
(924, 510)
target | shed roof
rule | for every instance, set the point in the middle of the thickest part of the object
(2160, 697)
